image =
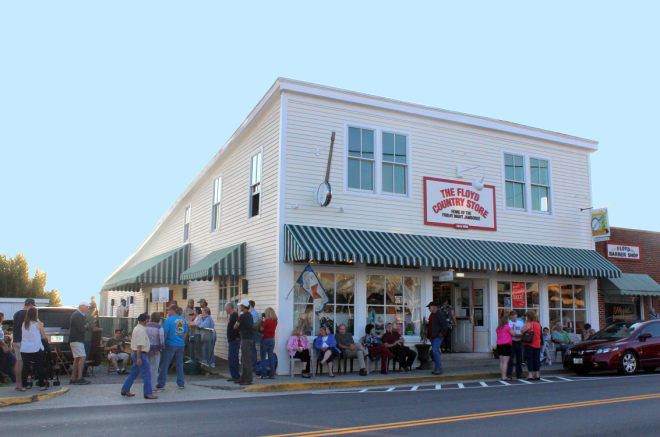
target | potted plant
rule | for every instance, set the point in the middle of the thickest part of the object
(423, 348)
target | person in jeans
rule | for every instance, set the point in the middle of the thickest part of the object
(32, 349)
(351, 349)
(140, 344)
(157, 345)
(516, 346)
(533, 349)
(372, 343)
(244, 325)
(451, 322)
(268, 343)
(206, 322)
(174, 329)
(234, 343)
(258, 336)
(298, 347)
(437, 331)
(394, 342)
(19, 318)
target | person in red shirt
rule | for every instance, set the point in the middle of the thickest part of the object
(268, 343)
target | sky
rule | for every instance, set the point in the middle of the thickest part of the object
(108, 110)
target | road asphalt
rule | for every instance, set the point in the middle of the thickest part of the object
(600, 405)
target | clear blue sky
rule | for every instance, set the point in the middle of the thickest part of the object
(109, 110)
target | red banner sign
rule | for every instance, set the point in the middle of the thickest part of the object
(518, 294)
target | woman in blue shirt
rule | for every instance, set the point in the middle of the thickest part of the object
(326, 346)
(206, 321)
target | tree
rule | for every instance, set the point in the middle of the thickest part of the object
(15, 281)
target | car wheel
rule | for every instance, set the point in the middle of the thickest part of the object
(628, 363)
(649, 369)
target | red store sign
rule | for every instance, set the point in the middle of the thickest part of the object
(518, 294)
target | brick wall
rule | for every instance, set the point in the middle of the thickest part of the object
(650, 263)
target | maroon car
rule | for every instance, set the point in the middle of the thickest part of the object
(625, 346)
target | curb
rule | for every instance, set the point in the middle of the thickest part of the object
(316, 385)
(5, 402)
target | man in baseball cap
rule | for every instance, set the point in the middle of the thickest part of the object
(437, 330)
(203, 303)
(189, 311)
(78, 326)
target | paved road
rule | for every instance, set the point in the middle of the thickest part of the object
(600, 405)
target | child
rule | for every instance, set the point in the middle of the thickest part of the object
(544, 348)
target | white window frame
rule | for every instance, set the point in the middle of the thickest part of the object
(378, 163)
(261, 184)
(186, 232)
(549, 186)
(216, 218)
(528, 185)
(513, 181)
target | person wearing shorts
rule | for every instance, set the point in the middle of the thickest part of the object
(504, 340)
(79, 325)
(115, 349)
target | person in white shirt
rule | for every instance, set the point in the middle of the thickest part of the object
(516, 346)
(122, 309)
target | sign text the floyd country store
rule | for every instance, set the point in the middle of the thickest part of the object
(459, 205)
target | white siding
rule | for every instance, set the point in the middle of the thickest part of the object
(107, 310)
(260, 233)
(437, 148)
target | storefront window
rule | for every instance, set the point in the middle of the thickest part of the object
(567, 306)
(227, 292)
(340, 288)
(519, 296)
(396, 300)
(621, 308)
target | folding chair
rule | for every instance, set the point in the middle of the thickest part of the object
(61, 362)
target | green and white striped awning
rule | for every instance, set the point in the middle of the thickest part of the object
(333, 244)
(161, 269)
(229, 261)
(632, 284)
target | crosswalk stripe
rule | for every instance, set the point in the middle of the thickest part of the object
(483, 384)
(437, 386)
(546, 380)
(460, 385)
(565, 379)
(504, 382)
(363, 390)
(414, 388)
(390, 389)
(526, 382)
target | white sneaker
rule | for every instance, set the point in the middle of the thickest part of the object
(549, 363)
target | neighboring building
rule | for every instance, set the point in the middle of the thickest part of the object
(402, 227)
(630, 297)
(9, 305)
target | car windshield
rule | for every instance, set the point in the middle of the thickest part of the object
(55, 319)
(617, 330)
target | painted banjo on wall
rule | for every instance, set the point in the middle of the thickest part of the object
(458, 205)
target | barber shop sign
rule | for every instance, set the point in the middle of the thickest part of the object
(458, 204)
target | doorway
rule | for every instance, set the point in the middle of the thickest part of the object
(461, 297)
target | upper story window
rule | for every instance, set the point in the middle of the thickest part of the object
(395, 163)
(255, 186)
(186, 224)
(361, 159)
(540, 180)
(216, 208)
(377, 162)
(514, 180)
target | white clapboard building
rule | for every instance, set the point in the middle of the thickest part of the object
(425, 204)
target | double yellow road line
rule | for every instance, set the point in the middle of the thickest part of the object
(388, 426)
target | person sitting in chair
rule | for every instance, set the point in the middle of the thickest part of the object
(561, 339)
(326, 347)
(115, 349)
(394, 342)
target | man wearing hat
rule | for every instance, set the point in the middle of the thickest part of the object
(244, 326)
(189, 311)
(203, 303)
(19, 318)
(175, 329)
(79, 325)
(437, 330)
(140, 344)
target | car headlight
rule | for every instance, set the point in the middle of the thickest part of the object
(600, 351)
(568, 352)
(606, 350)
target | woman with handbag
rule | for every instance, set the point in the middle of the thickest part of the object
(504, 341)
(531, 338)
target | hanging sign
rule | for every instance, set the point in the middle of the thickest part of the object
(458, 205)
(632, 252)
(446, 276)
(160, 295)
(600, 225)
(518, 294)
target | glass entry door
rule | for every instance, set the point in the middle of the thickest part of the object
(461, 300)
